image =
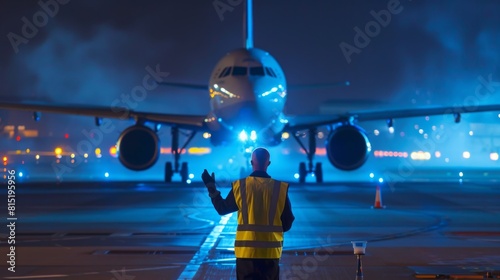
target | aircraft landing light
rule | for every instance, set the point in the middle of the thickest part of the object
(494, 156)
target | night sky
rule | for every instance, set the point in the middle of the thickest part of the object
(90, 52)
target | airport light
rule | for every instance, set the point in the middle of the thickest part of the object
(461, 174)
(85, 155)
(391, 129)
(20, 174)
(106, 174)
(37, 157)
(376, 132)
(98, 152)
(466, 155)
(471, 133)
(207, 135)
(285, 135)
(4, 159)
(494, 156)
(72, 155)
(372, 175)
(113, 151)
(380, 180)
(296, 176)
(58, 152)
(28, 151)
(191, 176)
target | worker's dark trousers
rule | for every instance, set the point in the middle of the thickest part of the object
(257, 269)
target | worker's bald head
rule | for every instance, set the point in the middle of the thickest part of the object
(260, 159)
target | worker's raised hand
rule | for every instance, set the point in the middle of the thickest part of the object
(207, 179)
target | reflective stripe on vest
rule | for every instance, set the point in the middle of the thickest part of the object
(260, 202)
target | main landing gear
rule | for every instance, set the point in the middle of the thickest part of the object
(176, 151)
(303, 170)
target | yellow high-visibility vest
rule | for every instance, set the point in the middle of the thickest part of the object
(260, 202)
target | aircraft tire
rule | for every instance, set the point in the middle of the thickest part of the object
(184, 172)
(169, 171)
(318, 172)
(302, 172)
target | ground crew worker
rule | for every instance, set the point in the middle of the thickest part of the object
(264, 214)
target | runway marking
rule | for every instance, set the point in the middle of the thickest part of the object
(209, 243)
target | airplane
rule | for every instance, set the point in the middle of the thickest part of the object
(248, 92)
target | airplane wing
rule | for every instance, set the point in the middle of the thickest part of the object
(305, 122)
(192, 122)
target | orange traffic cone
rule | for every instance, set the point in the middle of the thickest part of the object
(378, 200)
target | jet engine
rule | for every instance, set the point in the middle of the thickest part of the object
(347, 147)
(138, 147)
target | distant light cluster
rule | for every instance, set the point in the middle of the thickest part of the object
(379, 153)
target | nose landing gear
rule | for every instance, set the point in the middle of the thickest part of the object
(176, 151)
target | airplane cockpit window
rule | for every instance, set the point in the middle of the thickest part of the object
(225, 72)
(270, 72)
(257, 71)
(239, 71)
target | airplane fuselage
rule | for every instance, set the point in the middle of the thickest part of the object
(247, 93)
